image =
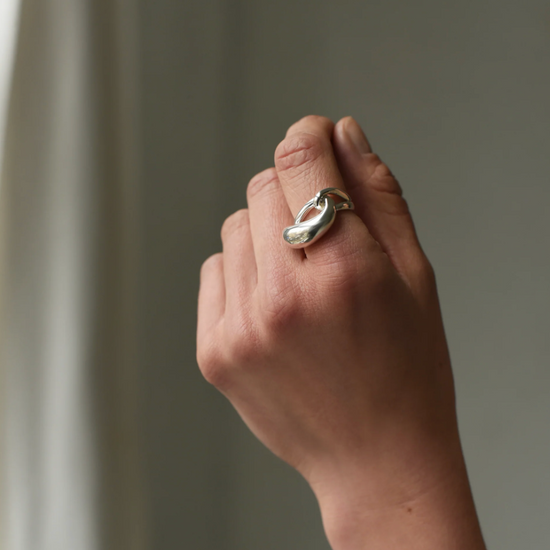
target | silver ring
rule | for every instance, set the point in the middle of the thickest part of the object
(304, 233)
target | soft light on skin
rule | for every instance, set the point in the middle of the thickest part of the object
(335, 355)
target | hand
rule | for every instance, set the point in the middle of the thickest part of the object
(335, 355)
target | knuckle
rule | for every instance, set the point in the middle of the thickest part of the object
(243, 346)
(298, 151)
(234, 222)
(426, 272)
(220, 366)
(381, 177)
(348, 272)
(280, 318)
(281, 305)
(211, 366)
(347, 252)
(344, 279)
(212, 262)
(394, 205)
(354, 281)
(312, 120)
(423, 276)
(242, 354)
(216, 375)
(389, 197)
(261, 182)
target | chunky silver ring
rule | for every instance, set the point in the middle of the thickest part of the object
(304, 233)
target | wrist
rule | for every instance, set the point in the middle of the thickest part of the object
(423, 503)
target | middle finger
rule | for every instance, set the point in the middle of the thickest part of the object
(305, 161)
(305, 164)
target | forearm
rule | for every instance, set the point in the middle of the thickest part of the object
(442, 517)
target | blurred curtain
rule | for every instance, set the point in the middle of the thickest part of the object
(9, 11)
(70, 460)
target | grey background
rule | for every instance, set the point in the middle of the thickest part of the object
(455, 97)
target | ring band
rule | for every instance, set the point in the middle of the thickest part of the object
(304, 233)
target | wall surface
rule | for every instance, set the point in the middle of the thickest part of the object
(454, 96)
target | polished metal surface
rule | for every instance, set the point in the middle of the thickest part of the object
(346, 204)
(304, 233)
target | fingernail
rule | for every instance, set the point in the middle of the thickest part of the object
(356, 135)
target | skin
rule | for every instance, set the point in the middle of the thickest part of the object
(335, 355)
